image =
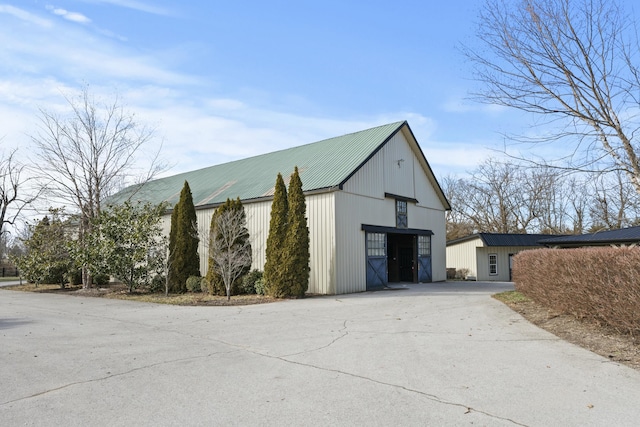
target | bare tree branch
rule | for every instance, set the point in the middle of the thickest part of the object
(573, 63)
(86, 156)
(13, 199)
(230, 249)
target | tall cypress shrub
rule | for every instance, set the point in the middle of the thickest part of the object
(273, 267)
(183, 242)
(296, 246)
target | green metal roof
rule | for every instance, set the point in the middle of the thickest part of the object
(325, 164)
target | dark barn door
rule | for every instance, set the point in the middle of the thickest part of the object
(405, 256)
(377, 275)
(424, 259)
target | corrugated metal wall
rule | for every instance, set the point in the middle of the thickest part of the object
(463, 255)
(503, 262)
(353, 210)
(322, 233)
(475, 256)
(321, 223)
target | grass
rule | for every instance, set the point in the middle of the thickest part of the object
(9, 279)
(511, 297)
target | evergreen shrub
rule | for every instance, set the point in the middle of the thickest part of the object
(157, 283)
(260, 287)
(248, 284)
(194, 283)
(100, 280)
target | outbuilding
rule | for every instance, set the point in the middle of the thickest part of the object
(376, 213)
(488, 256)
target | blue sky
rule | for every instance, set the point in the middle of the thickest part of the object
(222, 80)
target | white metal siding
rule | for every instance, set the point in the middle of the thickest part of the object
(434, 220)
(464, 255)
(503, 261)
(320, 216)
(353, 210)
(322, 243)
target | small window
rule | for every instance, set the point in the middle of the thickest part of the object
(424, 246)
(493, 264)
(401, 214)
(376, 244)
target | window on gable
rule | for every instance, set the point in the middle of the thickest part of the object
(493, 264)
(401, 214)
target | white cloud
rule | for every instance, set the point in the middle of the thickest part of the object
(69, 16)
(74, 53)
(25, 16)
(134, 5)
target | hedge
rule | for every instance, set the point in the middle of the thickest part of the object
(601, 285)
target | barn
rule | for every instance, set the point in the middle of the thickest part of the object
(376, 213)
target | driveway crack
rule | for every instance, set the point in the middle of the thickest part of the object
(434, 398)
(107, 377)
(343, 332)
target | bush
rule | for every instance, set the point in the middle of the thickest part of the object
(205, 285)
(157, 283)
(260, 287)
(100, 280)
(462, 273)
(74, 277)
(248, 284)
(194, 284)
(596, 284)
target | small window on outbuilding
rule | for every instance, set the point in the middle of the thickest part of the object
(401, 214)
(493, 264)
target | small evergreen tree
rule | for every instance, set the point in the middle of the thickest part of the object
(273, 272)
(183, 242)
(47, 258)
(296, 246)
(127, 241)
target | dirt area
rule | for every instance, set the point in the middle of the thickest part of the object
(117, 291)
(600, 340)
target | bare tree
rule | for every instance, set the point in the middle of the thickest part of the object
(85, 156)
(511, 198)
(573, 63)
(12, 183)
(230, 249)
(495, 198)
(613, 204)
(458, 223)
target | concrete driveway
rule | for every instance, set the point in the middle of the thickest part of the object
(436, 354)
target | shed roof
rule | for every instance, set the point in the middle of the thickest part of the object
(323, 166)
(502, 239)
(623, 235)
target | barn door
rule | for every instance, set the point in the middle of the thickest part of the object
(377, 276)
(424, 259)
